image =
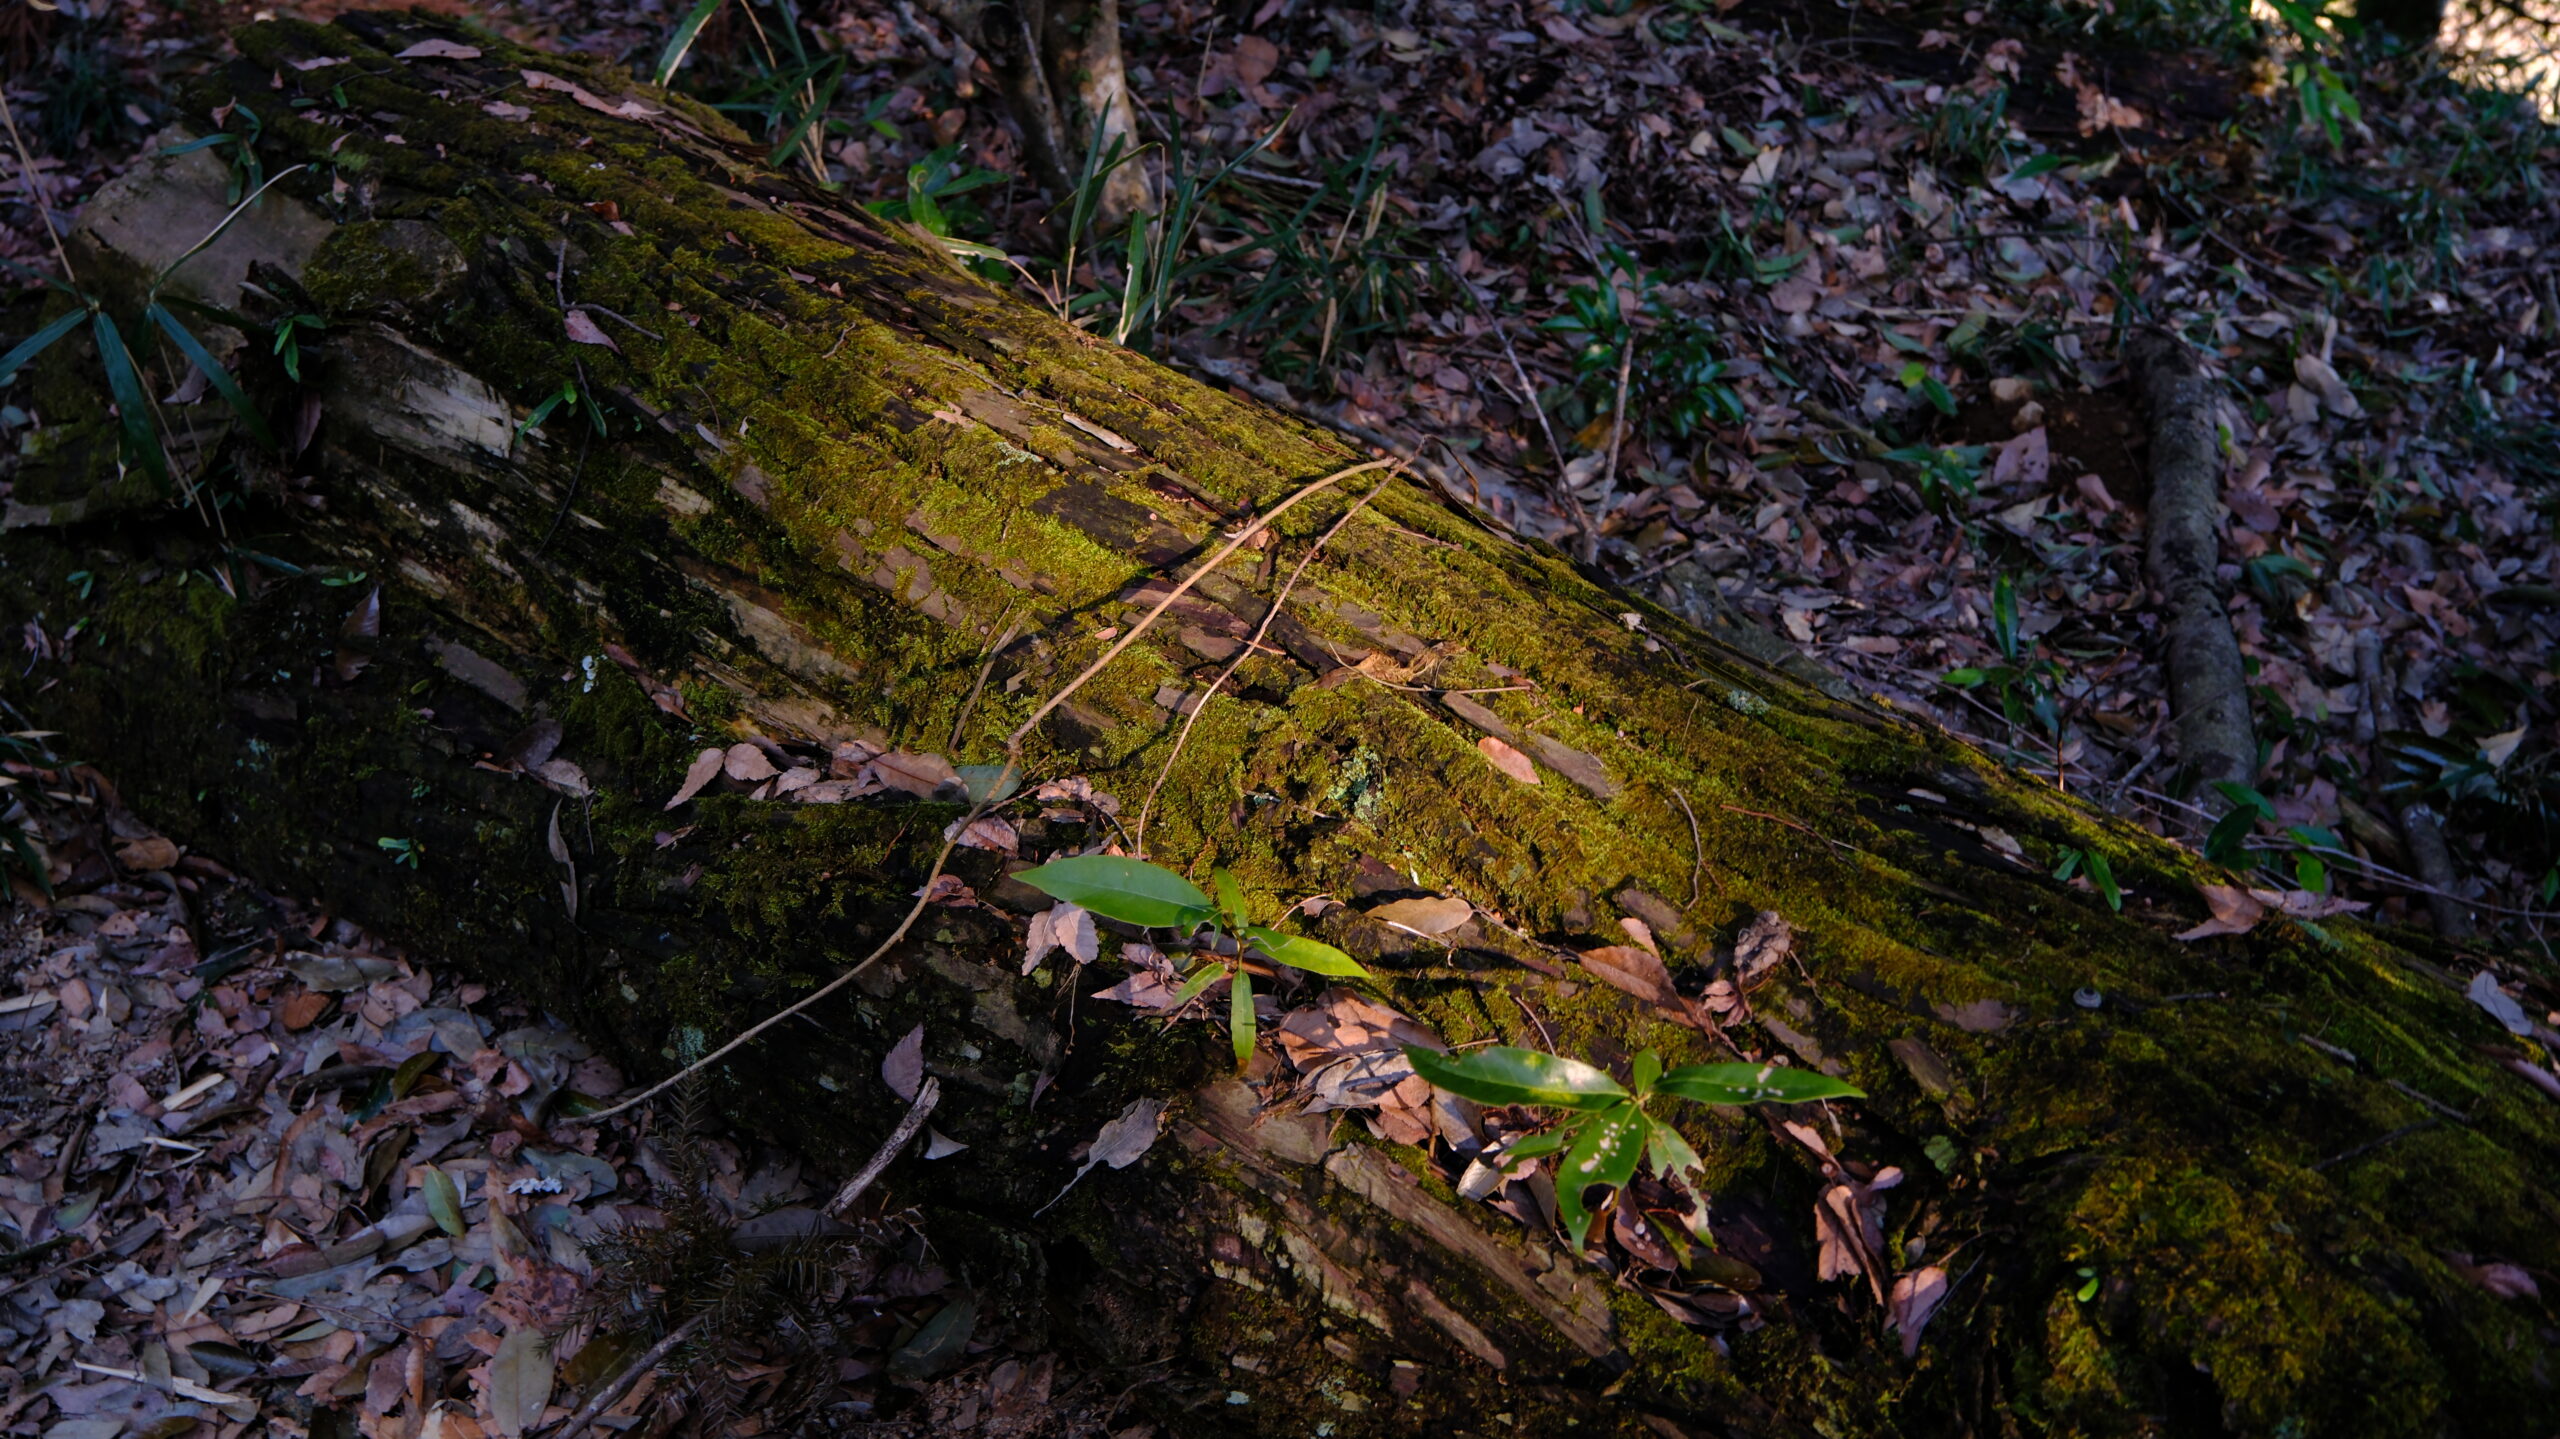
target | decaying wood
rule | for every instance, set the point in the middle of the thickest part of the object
(826, 472)
(2208, 683)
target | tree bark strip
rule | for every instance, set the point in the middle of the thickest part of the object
(833, 470)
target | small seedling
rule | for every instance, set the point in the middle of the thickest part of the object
(1133, 891)
(1607, 1133)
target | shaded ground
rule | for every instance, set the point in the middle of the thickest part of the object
(266, 1173)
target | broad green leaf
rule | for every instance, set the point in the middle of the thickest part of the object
(1131, 891)
(1297, 952)
(1240, 1026)
(37, 343)
(444, 1201)
(1648, 1069)
(1670, 1153)
(1606, 1151)
(1507, 1074)
(1754, 1084)
(133, 406)
(214, 375)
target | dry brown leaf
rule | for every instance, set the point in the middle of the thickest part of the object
(1979, 1016)
(921, 775)
(705, 768)
(1430, 918)
(902, 1068)
(747, 764)
(1916, 1296)
(1508, 760)
(1637, 971)
(151, 852)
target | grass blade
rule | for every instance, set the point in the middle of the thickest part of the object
(37, 343)
(682, 40)
(214, 374)
(133, 406)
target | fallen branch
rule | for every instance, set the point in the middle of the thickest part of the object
(2208, 685)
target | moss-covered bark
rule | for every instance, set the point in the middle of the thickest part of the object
(833, 470)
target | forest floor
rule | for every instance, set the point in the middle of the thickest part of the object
(1805, 316)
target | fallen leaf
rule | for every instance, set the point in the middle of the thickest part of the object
(438, 50)
(1637, 971)
(1120, 1144)
(506, 110)
(519, 1381)
(2234, 912)
(1980, 1016)
(584, 331)
(1642, 934)
(705, 768)
(1063, 926)
(921, 775)
(1256, 58)
(1430, 918)
(1916, 1296)
(747, 764)
(938, 1145)
(985, 832)
(151, 852)
(2322, 379)
(2502, 1007)
(2497, 749)
(1508, 760)
(902, 1068)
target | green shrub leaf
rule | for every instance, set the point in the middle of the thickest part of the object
(1131, 891)
(1606, 1151)
(1506, 1074)
(1753, 1084)
(1297, 952)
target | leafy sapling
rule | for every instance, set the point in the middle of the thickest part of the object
(1150, 896)
(1607, 1132)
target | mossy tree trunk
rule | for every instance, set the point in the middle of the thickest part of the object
(833, 474)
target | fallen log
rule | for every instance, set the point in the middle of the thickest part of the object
(608, 448)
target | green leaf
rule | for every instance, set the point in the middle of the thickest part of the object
(1507, 1074)
(37, 343)
(444, 1201)
(1538, 1146)
(1230, 898)
(1670, 1153)
(1606, 1151)
(214, 374)
(1966, 678)
(1648, 1069)
(1297, 952)
(682, 40)
(1131, 891)
(988, 782)
(133, 406)
(2103, 875)
(1240, 1026)
(2229, 836)
(1199, 980)
(2041, 165)
(1753, 1084)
